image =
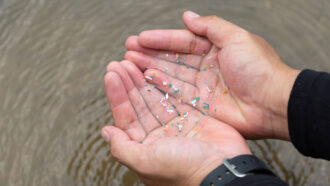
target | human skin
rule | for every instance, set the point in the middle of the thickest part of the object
(237, 73)
(163, 155)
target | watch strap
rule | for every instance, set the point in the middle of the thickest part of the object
(231, 169)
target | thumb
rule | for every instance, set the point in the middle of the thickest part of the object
(219, 31)
(123, 149)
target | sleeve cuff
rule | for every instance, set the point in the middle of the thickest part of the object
(308, 113)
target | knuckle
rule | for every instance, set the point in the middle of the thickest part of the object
(213, 18)
(115, 153)
(193, 44)
(258, 38)
(242, 36)
(245, 35)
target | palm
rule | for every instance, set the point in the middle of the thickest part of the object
(171, 132)
(225, 93)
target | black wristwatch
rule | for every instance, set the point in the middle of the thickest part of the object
(237, 167)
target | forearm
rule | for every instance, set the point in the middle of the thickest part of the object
(309, 114)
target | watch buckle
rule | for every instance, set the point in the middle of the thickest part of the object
(232, 169)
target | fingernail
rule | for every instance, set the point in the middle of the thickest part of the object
(105, 136)
(192, 14)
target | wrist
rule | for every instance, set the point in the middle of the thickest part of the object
(207, 168)
(198, 176)
(235, 168)
(281, 91)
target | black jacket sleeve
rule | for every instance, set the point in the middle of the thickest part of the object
(309, 114)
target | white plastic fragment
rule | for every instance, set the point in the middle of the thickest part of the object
(193, 102)
(180, 127)
(148, 77)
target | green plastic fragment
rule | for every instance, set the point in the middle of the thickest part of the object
(197, 98)
(206, 106)
(176, 91)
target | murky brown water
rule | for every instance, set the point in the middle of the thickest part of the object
(53, 56)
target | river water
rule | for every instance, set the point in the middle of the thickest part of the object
(53, 56)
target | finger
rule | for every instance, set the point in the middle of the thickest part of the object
(219, 31)
(124, 150)
(174, 40)
(183, 92)
(191, 60)
(110, 64)
(179, 71)
(148, 121)
(209, 76)
(132, 43)
(123, 112)
(156, 101)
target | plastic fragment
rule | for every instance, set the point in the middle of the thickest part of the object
(193, 102)
(180, 128)
(206, 106)
(148, 77)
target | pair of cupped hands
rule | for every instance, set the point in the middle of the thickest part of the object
(183, 100)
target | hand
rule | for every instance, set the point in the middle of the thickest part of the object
(237, 75)
(164, 141)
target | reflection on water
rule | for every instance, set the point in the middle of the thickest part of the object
(91, 162)
(53, 56)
